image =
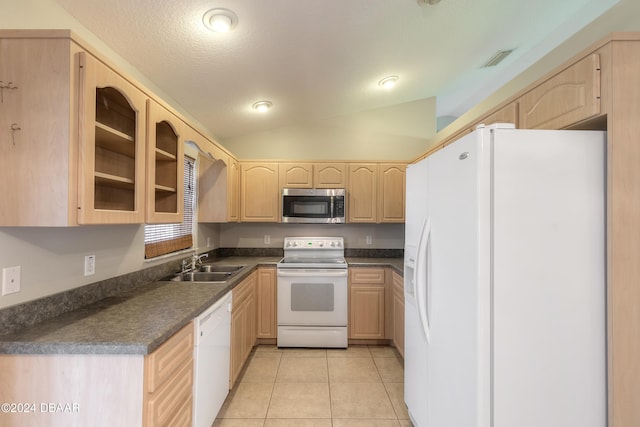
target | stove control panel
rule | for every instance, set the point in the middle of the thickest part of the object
(313, 243)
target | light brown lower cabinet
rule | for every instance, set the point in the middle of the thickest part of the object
(168, 381)
(267, 294)
(366, 303)
(64, 390)
(398, 312)
(243, 325)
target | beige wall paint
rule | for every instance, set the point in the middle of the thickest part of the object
(393, 133)
(384, 236)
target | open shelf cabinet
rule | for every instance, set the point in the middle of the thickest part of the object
(111, 148)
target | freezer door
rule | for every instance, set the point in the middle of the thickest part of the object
(415, 365)
(457, 294)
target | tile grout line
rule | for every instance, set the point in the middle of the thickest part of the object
(273, 387)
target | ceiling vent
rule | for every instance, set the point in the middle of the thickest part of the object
(431, 2)
(497, 58)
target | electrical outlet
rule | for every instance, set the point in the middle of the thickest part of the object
(89, 265)
(208, 242)
(267, 239)
(10, 280)
(369, 240)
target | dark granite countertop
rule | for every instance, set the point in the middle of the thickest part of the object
(140, 320)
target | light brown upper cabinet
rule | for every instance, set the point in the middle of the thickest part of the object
(329, 175)
(38, 131)
(506, 114)
(313, 175)
(233, 190)
(376, 192)
(295, 175)
(362, 192)
(112, 147)
(73, 135)
(165, 165)
(260, 194)
(570, 96)
(217, 196)
(391, 187)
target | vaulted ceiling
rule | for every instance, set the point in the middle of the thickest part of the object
(322, 60)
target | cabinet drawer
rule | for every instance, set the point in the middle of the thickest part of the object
(366, 275)
(171, 404)
(244, 290)
(169, 358)
(570, 96)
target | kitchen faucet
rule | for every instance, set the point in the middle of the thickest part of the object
(195, 261)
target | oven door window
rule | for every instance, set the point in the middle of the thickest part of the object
(306, 207)
(312, 297)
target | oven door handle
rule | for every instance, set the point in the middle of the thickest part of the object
(312, 271)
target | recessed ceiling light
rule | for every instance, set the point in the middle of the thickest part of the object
(262, 106)
(388, 82)
(220, 20)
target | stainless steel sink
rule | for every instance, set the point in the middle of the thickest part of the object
(202, 276)
(208, 273)
(211, 268)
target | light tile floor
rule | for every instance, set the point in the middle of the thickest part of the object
(361, 386)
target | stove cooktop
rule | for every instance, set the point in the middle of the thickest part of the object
(313, 252)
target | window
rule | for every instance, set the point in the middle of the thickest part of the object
(161, 239)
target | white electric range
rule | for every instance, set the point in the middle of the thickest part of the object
(312, 293)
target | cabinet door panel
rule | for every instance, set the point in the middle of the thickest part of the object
(569, 97)
(295, 175)
(233, 190)
(112, 146)
(330, 175)
(267, 327)
(366, 320)
(37, 125)
(362, 194)
(260, 195)
(165, 166)
(391, 196)
(507, 114)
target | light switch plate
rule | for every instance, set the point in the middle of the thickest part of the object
(10, 280)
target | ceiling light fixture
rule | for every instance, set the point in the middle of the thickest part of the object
(262, 106)
(388, 82)
(220, 20)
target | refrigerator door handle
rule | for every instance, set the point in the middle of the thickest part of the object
(422, 271)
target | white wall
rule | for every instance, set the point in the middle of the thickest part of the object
(52, 259)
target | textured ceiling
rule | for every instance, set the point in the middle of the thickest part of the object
(317, 60)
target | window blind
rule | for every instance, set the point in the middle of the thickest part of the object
(161, 239)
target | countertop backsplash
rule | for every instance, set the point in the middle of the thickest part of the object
(29, 313)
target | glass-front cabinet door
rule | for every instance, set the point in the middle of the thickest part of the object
(165, 165)
(111, 150)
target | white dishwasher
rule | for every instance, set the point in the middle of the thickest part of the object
(211, 361)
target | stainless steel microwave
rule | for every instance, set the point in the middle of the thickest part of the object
(313, 205)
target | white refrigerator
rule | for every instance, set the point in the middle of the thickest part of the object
(505, 281)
